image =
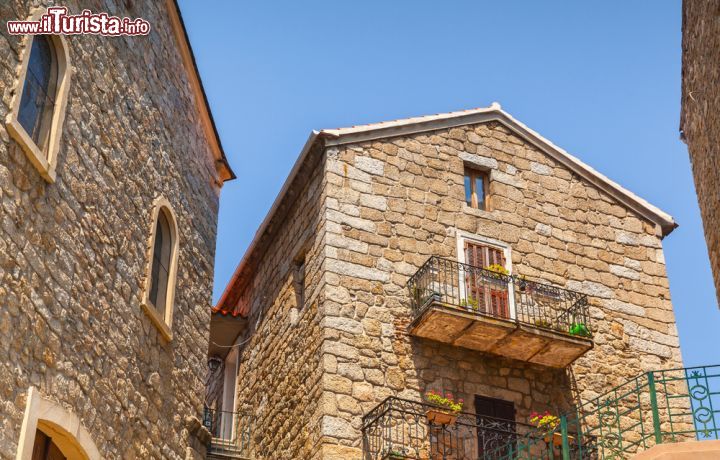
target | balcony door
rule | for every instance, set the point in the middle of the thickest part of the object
(496, 426)
(484, 292)
(227, 416)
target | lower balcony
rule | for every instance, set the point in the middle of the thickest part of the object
(661, 414)
(399, 429)
(505, 315)
(230, 434)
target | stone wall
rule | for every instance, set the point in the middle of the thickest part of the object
(73, 253)
(394, 203)
(280, 369)
(700, 120)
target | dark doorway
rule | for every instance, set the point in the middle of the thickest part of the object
(495, 426)
(45, 449)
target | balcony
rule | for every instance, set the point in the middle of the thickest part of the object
(230, 434)
(661, 414)
(508, 316)
(650, 416)
(399, 429)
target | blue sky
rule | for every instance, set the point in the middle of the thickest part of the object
(600, 79)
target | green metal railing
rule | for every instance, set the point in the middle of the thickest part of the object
(656, 407)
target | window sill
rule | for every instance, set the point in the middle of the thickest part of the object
(158, 321)
(36, 157)
(478, 212)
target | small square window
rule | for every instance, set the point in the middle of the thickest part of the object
(476, 188)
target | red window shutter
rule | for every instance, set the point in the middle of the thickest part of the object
(474, 256)
(483, 258)
(470, 258)
(496, 256)
(499, 303)
(490, 299)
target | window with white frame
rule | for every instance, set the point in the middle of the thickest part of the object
(485, 265)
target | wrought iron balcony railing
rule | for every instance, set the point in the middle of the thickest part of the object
(488, 293)
(654, 408)
(400, 429)
(230, 432)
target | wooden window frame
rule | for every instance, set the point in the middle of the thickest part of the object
(474, 174)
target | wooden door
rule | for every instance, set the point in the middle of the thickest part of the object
(496, 426)
(45, 449)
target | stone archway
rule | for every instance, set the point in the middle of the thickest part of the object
(65, 429)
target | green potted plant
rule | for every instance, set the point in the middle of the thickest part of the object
(579, 329)
(470, 303)
(541, 322)
(445, 410)
(395, 453)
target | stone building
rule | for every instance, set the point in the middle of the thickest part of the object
(700, 122)
(460, 252)
(110, 176)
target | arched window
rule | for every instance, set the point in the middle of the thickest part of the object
(160, 264)
(163, 247)
(38, 96)
(37, 110)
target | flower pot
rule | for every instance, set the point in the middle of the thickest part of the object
(441, 417)
(556, 439)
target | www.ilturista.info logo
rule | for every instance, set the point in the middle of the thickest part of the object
(57, 21)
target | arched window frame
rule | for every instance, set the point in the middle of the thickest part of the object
(45, 160)
(162, 322)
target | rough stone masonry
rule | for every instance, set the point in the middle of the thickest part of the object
(73, 254)
(700, 122)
